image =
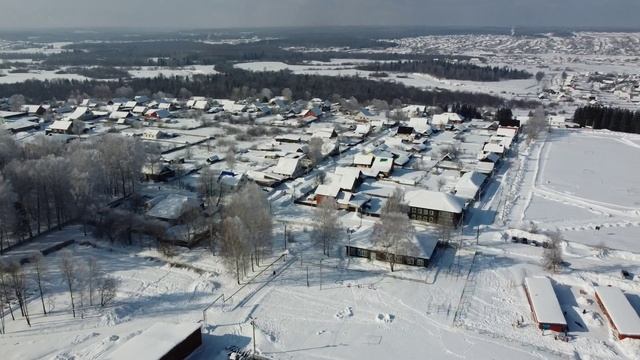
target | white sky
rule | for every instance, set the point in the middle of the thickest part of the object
(257, 13)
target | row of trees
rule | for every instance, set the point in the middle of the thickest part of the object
(233, 81)
(449, 70)
(45, 183)
(246, 231)
(615, 119)
(87, 283)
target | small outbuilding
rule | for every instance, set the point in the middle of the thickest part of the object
(544, 304)
(624, 320)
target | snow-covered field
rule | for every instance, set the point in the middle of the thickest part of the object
(580, 180)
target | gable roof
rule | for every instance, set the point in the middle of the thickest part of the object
(287, 166)
(469, 184)
(64, 125)
(434, 200)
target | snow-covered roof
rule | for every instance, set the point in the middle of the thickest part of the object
(469, 184)
(434, 200)
(620, 311)
(509, 132)
(155, 342)
(330, 190)
(119, 115)
(445, 118)
(485, 167)
(382, 164)
(287, 166)
(63, 125)
(544, 301)
(420, 125)
(363, 159)
(79, 113)
(172, 206)
(495, 148)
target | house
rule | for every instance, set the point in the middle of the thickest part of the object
(289, 166)
(161, 341)
(158, 113)
(364, 115)
(507, 132)
(362, 130)
(171, 207)
(229, 180)
(469, 185)
(152, 134)
(623, 318)
(544, 304)
(34, 109)
(324, 132)
(117, 115)
(444, 119)
(421, 125)
(81, 113)
(382, 165)
(363, 160)
(513, 123)
(139, 110)
(435, 207)
(19, 125)
(60, 127)
(494, 148)
(418, 253)
(157, 172)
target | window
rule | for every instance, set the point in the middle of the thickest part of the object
(420, 262)
(410, 260)
(431, 212)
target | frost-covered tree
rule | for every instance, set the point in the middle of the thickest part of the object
(234, 247)
(16, 102)
(315, 150)
(552, 255)
(536, 125)
(40, 268)
(326, 227)
(7, 210)
(68, 270)
(393, 234)
(18, 281)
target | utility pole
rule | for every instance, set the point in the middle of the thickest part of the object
(320, 274)
(307, 276)
(478, 235)
(253, 325)
(285, 234)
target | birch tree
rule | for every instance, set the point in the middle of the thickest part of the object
(7, 209)
(18, 283)
(40, 268)
(68, 270)
(394, 234)
(233, 244)
(552, 254)
(326, 229)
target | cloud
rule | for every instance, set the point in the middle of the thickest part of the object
(260, 13)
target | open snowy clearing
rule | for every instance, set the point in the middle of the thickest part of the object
(579, 181)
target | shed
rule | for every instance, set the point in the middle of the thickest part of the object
(544, 304)
(623, 318)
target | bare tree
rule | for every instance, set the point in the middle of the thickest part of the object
(9, 148)
(394, 234)
(536, 125)
(266, 93)
(4, 287)
(326, 229)
(68, 270)
(19, 285)
(230, 157)
(315, 150)
(395, 203)
(440, 183)
(124, 92)
(77, 127)
(233, 243)
(107, 289)
(93, 275)
(552, 255)
(16, 102)
(7, 209)
(40, 267)
(287, 94)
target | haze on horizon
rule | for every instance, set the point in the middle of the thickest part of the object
(171, 14)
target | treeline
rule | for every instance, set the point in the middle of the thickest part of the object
(614, 119)
(44, 183)
(97, 72)
(235, 80)
(449, 70)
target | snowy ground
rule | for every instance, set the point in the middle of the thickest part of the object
(578, 180)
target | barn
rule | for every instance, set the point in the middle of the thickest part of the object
(162, 341)
(624, 320)
(544, 304)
